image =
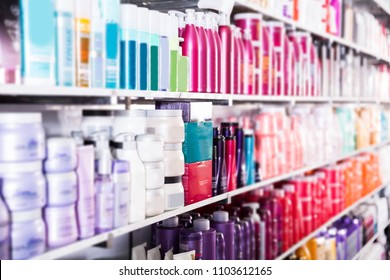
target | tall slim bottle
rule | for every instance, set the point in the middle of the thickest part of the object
(173, 49)
(83, 35)
(249, 63)
(111, 14)
(204, 52)
(226, 34)
(154, 45)
(164, 53)
(191, 50)
(211, 55)
(236, 78)
(128, 46)
(218, 45)
(182, 72)
(64, 43)
(143, 47)
(97, 49)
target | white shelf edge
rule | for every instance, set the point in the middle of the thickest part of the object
(86, 243)
(382, 6)
(297, 25)
(330, 222)
(368, 244)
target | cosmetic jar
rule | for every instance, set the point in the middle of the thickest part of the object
(173, 160)
(150, 147)
(168, 123)
(61, 155)
(154, 172)
(133, 121)
(154, 202)
(61, 189)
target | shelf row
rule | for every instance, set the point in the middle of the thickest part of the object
(109, 236)
(381, 4)
(36, 92)
(296, 25)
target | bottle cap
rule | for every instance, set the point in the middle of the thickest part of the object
(164, 25)
(199, 19)
(154, 22)
(129, 16)
(104, 163)
(221, 216)
(180, 19)
(143, 19)
(190, 18)
(171, 222)
(201, 224)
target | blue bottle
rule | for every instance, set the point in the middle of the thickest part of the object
(128, 46)
(143, 47)
(249, 157)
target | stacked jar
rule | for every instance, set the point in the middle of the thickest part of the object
(60, 211)
(22, 149)
(169, 124)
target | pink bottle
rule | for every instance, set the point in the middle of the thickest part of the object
(212, 60)
(242, 50)
(267, 63)
(226, 35)
(182, 24)
(204, 51)
(190, 48)
(218, 44)
(230, 160)
(296, 214)
(248, 65)
(287, 218)
(237, 62)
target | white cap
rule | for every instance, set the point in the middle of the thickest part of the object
(221, 216)
(20, 118)
(190, 18)
(83, 9)
(129, 16)
(201, 224)
(154, 22)
(253, 205)
(171, 222)
(208, 24)
(173, 25)
(164, 25)
(130, 113)
(143, 19)
(20, 167)
(200, 19)
(25, 216)
(247, 34)
(65, 6)
(214, 20)
(180, 17)
(97, 9)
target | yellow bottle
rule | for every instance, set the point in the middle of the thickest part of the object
(303, 253)
(83, 33)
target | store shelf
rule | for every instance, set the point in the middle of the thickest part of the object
(381, 4)
(296, 25)
(84, 244)
(367, 246)
(330, 222)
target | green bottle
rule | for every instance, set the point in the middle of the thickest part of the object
(174, 49)
(182, 72)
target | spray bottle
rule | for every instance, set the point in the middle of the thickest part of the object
(204, 51)
(218, 45)
(211, 55)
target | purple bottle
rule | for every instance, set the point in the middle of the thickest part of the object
(220, 246)
(222, 224)
(190, 48)
(245, 233)
(246, 215)
(167, 234)
(204, 52)
(238, 239)
(208, 238)
(191, 239)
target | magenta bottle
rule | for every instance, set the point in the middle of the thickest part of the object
(190, 48)
(167, 235)
(226, 34)
(248, 64)
(241, 51)
(218, 44)
(225, 226)
(267, 238)
(237, 62)
(209, 241)
(211, 55)
(203, 51)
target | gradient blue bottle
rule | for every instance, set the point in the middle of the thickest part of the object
(65, 43)
(143, 48)
(154, 46)
(96, 60)
(111, 14)
(128, 46)
(249, 157)
(164, 53)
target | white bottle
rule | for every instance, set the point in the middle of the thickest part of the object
(4, 232)
(127, 150)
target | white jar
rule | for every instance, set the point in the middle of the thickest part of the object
(28, 234)
(97, 121)
(22, 137)
(133, 121)
(61, 155)
(155, 202)
(154, 172)
(61, 225)
(24, 186)
(174, 193)
(173, 160)
(150, 147)
(168, 123)
(61, 189)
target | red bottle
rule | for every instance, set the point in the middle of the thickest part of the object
(287, 221)
(296, 205)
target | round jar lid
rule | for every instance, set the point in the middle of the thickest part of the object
(164, 113)
(201, 224)
(130, 113)
(57, 143)
(171, 147)
(221, 216)
(159, 193)
(97, 113)
(61, 176)
(149, 138)
(20, 118)
(20, 167)
(24, 216)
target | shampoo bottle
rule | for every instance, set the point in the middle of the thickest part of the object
(211, 55)
(236, 79)
(128, 46)
(164, 53)
(64, 43)
(154, 46)
(173, 51)
(97, 50)
(83, 36)
(248, 64)
(167, 235)
(225, 226)
(190, 48)
(182, 72)
(143, 47)
(220, 246)
(218, 45)
(208, 238)
(204, 51)
(226, 34)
